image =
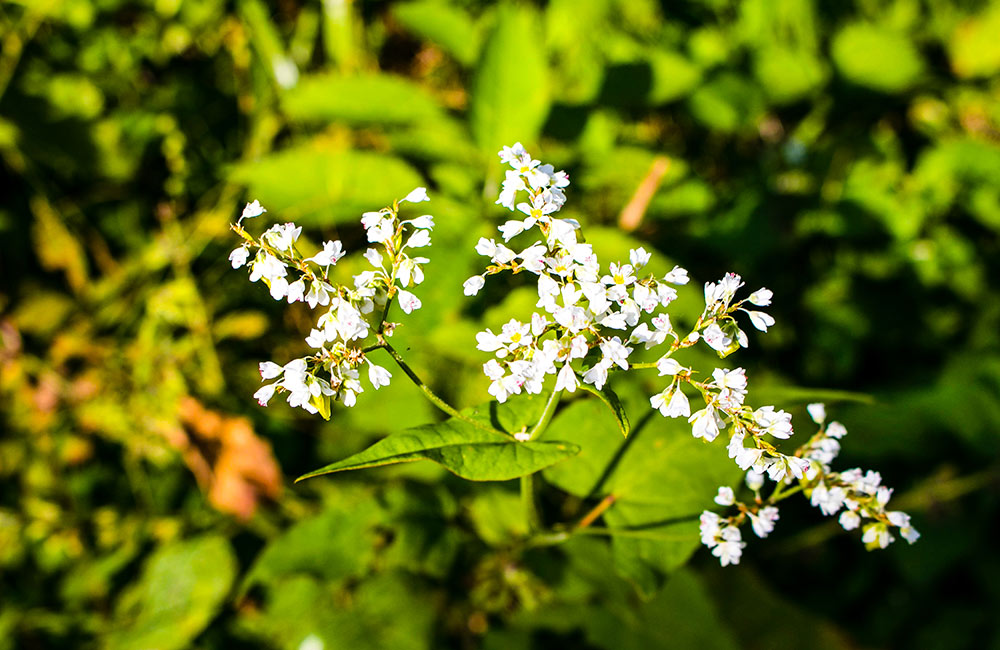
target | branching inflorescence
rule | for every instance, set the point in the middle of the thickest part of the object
(588, 324)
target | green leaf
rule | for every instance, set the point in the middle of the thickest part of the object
(314, 184)
(388, 610)
(610, 399)
(469, 451)
(661, 477)
(445, 25)
(727, 103)
(369, 99)
(182, 587)
(510, 95)
(335, 544)
(974, 48)
(876, 57)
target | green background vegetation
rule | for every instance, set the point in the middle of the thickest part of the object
(845, 155)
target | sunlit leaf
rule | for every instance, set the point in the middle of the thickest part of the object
(510, 96)
(447, 26)
(472, 452)
(876, 57)
(369, 99)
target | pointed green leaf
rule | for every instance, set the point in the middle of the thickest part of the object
(510, 96)
(473, 453)
(610, 399)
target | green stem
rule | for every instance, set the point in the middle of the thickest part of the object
(529, 505)
(428, 393)
(546, 417)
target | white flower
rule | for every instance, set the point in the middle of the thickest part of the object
(716, 338)
(264, 393)
(381, 231)
(282, 236)
(836, 430)
(817, 412)
(566, 379)
(668, 366)
(296, 290)
(671, 402)
(754, 480)
(730, 548)
(598, 374)
(763, 521)
(251, 210)
(425, 221)
(331, 253)
(378, 376)
(638, 257)
(239, 256)
(877, 534)
(708, 524)
(776, 423)
(725, 496)
(677, 275)
(761, 297)
(705, 424)
(614, 352)
(472, 286)
(761, 320)
(850, 520)
(269, 370)
(419, 239)
(416, 196)
(279, 287)
(408, 302)
(374, 257)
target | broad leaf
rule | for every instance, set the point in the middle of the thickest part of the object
(315, 184)
(471, 451)
(661, 477)
(182, 587)
(335, 544)
(388, 610)
(510, 97)
(369, 99)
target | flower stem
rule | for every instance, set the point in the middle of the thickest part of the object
(428, 393)
(529, 505)
(546, 417)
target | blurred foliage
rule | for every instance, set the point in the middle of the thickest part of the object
(846, 155)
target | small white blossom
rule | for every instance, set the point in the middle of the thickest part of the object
(725, 496)
(416, 196)
(251, 210)
(239, 256)
(408, 302)
(473, 285)
(817, 412)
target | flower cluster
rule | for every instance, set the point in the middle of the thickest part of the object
(349, 314)
(588, 317)
(860, 494)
